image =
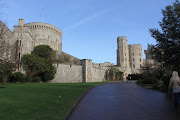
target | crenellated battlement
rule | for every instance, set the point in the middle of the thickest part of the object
(105, 65)
(44, 26)
(135, 45)
(122, 37)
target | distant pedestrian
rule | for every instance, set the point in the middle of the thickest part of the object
(174, 86)
(127, 79)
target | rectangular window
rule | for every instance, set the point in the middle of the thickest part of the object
(133, 66)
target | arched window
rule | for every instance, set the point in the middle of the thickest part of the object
(140, 65)
(140, 60)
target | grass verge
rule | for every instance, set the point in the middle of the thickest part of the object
(39, 101)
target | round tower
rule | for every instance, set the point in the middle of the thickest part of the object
(122, 52)
(47, 34)
(136, 57)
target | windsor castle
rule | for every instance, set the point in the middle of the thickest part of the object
(25, 37)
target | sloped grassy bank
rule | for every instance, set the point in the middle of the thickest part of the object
(39, 101)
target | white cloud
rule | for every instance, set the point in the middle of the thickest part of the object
(85, 20)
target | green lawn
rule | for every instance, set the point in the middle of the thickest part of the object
(39, 101)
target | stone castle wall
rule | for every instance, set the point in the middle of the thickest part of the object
(99, 75)
(81, 73)
(68, 74)
(6, 50)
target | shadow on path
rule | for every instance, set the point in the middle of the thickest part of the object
(124, 101)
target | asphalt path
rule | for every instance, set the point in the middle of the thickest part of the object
(124, 101)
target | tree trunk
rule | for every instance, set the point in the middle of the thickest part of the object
(5, 79)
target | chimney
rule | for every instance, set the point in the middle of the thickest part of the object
(21, 22)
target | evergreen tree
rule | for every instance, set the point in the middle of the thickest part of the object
(167, 49)
(49, 55)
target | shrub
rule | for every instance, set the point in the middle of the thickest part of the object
(17, 77)
(0, 78)
(135, 76)
(139, 82)
(37, 79)
(28, 78)
(150, 81)
(157, 85)
(114, 74)
(166, 81)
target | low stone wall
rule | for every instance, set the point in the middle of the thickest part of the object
(98, 75)
(68, 74)
(86, 72)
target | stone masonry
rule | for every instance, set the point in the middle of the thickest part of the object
(25, 37)
(86, 72)
(129, 57)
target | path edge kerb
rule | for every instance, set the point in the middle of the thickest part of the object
(69, 113)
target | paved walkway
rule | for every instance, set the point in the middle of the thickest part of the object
(124, 101)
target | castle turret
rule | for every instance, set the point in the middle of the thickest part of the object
(21, 22)
(136, 57)
(87, 67)
(122, 52)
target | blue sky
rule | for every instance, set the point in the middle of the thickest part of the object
(91, 27)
